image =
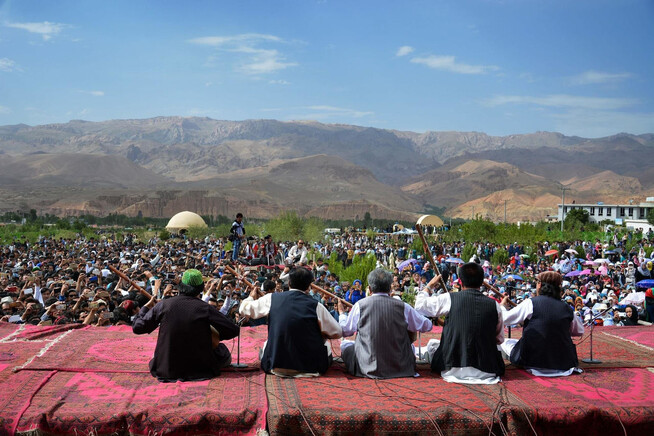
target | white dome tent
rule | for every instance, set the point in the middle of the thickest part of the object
(182, 221)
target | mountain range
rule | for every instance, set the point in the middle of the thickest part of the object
(162, 165)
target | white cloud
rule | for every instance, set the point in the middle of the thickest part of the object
(7, 65)
(4, 110)
(448, 63)
(245, 38)
(262, 61)
(46, 29)
(94, 93)
(598, 77)
(279, 82)
(404, 50)
(563, 100)
(255, 60)
(323, 112)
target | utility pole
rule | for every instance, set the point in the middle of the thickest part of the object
(563, 189)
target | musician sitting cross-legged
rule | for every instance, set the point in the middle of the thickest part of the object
(184, 345)
(297, 328)
(467, 352)
(382, 348)
(546, 348)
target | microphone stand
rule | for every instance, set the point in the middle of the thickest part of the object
(238, 363)
(592, 327)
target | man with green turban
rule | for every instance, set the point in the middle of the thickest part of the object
(184, 346)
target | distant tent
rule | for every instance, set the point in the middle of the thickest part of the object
(182, 221)
(430, 220)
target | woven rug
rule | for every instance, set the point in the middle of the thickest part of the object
(642, 335)
(117, 349)
(339, 404)
(600, 401)
(17, 388)
(7, 329)
(33, 332)
(110, 403)
(613, 351)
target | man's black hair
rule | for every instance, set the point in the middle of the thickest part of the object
(300, 278)
(471, 275)
(268, 286)
(190, 291)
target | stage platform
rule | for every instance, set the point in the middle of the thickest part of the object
(75, 380)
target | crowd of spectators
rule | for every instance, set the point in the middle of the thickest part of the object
(55, 281)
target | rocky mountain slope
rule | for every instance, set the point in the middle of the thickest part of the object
(160, 165)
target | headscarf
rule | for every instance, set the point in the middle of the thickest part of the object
(633, 319)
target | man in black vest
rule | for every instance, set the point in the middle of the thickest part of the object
(382, 348)
(297, 328)
(467, 352)
(546, 348)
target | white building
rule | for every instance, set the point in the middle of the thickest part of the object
(630, 215)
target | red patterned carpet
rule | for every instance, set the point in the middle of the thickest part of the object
(7, 329)
(95, 380)
(641, 335)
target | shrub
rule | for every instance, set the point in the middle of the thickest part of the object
(500, 257)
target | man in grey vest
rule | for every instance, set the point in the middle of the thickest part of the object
(382, 348)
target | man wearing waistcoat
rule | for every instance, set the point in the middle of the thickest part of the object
(298, 327)
(467, 352)
(382, 348)
(546, 348)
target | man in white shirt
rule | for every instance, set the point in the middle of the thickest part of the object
(297, 328)
(382, 348)
(546, 348)
(467, 352)
(297, 255)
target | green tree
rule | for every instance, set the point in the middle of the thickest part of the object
(576, 219)
(650, 216)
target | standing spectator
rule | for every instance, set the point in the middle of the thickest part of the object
(237, 234)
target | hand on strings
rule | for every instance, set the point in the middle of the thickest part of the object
(506, 302)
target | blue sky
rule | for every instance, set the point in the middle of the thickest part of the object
(579, 67)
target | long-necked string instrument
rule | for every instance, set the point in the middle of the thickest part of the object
(428, 252)
(239, 276)
(215, 336)
(497, 293)
(329, 294)
(130, 281)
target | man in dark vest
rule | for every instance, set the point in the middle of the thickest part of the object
(546, 348)
(382, 348)
(467, 352)
(297, 328)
